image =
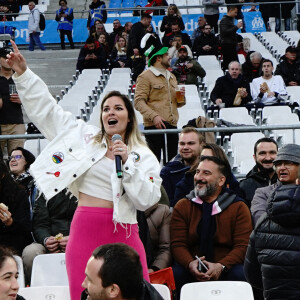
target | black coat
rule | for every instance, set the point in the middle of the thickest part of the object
(255, 179)
(54, 217)
(285, 9)
(228, 31)
(169, 20)
(204, 40)
(248, 71)
(226, 89)
(272, 261)
(186, 40)
(288, 72)
(134, 40)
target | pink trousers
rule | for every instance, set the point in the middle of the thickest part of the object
(92, 227)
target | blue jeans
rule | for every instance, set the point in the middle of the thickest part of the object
(34, 39)
(183, 276)
(287, 24)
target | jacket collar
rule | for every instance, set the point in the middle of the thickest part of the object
(157, 72)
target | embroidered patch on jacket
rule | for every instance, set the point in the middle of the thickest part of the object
(57, 157)
(56, 174)
(136, 156)
(151, 179)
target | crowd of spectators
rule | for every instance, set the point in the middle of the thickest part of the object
(211, 210)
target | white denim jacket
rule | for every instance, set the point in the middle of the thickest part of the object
(72, 151)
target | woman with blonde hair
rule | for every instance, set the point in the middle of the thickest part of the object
(173, 17)
(118, 58)
(84, 158)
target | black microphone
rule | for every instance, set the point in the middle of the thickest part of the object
(118, 159)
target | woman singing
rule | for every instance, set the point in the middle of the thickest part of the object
(82, 158)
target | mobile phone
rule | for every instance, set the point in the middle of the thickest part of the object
(201, 266)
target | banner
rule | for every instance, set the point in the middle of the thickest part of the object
(253, 20)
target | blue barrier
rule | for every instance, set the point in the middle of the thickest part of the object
(254, 23)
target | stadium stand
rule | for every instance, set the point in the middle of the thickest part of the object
(45, 292)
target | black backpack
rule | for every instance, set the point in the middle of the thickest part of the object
(42, 23)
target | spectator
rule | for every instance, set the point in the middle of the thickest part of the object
(268, 89)
(97, 12)
(186, 40)
(158, 219)
(173, 17)
(158, 105)
(5, 14)
(230, 86)
(91, 56)
(13, 8)
(137, 32)
(15, 216)
(189, 147)
(137, 13)
(156, 12)
(272, 261)
(117, 31)
(176, 45)
(99, 29)
(115, 271)
(51, 227)
(187, 69)
(20, 160)
(251, 68)
(11, 116)
(286, 167)
(64, 17)
(211, 12)
(199, 30)
(206, 43)
(267, 11)
(9, 274)
(127, 27)
(93, 28)
(150, 29)
(263, 173)
(283, 11)
(104, 44)
(289, 67)
(34, 27)
(228, 36)
(213, 223)
(118, 57)
(238, 4)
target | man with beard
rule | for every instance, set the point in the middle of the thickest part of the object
(286, 167)
(212, 223)
(187, 69)
(155, 97)
(114, 271)
(263, 173)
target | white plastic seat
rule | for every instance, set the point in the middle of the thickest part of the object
(45, 292)
(212, 76)
(294, 92)
(121, 70)
(21, 278)
(241, 58)
(209, 62)
(221, 290)
(49, 270)
(236, 115)
(163, 290)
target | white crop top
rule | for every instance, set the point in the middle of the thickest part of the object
(96, 180)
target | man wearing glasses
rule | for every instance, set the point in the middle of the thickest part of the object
(286, 166)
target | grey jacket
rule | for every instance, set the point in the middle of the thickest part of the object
(34, 20)
(259, 202)
(211, 8)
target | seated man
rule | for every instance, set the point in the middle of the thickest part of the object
(199, 30)
(213, 223)
(206, 43)
(176, 45)
(189, 147)
(251, 68)
(50, 225)
(187, 69)
(289, 67)
(91, 56)
(229, 87)
(114, 271)
(186, 40)
(268, 89)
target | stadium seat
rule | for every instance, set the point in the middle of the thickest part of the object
(21, 278)
(236, 115)
(209, 62)
(49, 270)
(221, 290)
(163, 290)
(45, 292)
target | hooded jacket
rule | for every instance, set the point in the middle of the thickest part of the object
(273, 261)
(288, 72)
(255, 179)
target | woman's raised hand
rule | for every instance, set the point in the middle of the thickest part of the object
(16, 60)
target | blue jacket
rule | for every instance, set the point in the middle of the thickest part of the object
(67, 22)
(171, 174)
(98, 14)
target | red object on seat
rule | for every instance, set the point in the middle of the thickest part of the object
(166, 277)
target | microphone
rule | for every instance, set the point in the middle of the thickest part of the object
(118, 159)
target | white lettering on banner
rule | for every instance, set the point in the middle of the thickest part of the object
(257, 23)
